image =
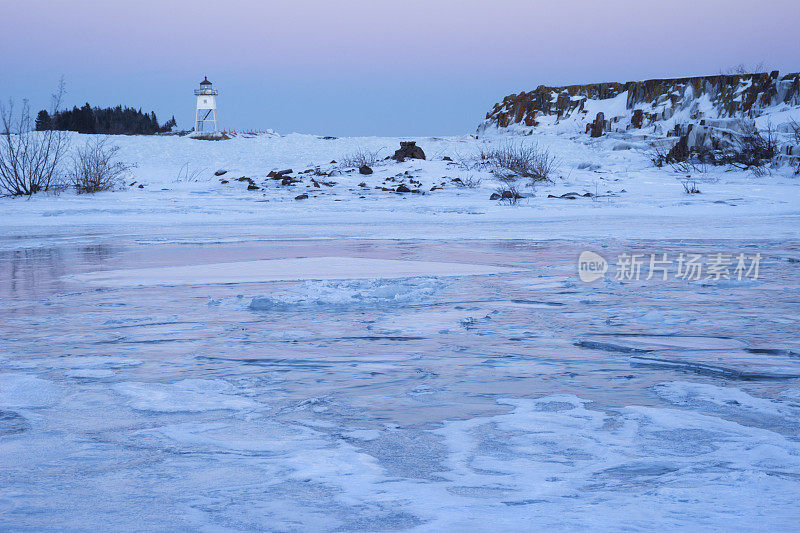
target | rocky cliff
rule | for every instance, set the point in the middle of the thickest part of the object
(637, 104)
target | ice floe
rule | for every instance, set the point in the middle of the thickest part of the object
(355, 293)
(303, 268)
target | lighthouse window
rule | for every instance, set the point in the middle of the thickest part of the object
(205, 101)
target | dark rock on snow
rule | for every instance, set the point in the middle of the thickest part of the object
(408, 150)
(364, 169)
(402, 188)
(301, 196)
(637, 119)
(220, 172)
(279, 174)
(597, 127)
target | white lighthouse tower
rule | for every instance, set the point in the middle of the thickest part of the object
(206, 116)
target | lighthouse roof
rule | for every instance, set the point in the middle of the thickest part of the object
(205, 81)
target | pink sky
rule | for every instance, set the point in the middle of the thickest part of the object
(313, 65)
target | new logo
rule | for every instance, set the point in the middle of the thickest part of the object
(591, 266)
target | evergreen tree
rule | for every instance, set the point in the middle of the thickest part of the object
(111, 120)
(42, 120)
(168, 125)
(84, 120)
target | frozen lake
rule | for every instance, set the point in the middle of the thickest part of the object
(475, 385)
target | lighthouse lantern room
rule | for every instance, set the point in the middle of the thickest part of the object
(206, 116)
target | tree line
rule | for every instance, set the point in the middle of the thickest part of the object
(110, 121)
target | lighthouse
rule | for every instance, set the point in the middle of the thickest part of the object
(206, 115)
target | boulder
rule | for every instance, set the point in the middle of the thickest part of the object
(408, 150)
(637, 119)
(364, 169)
(220, 172)
(303, 196)
(402, 188)
(279, 174)
(598, 126)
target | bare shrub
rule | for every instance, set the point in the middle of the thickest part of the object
(795, 127)
(508, 194)
(682, 165)
(359, 158)
(746, 149)
(30, 161)
(690, 187)
(467, 163)
(469, 182)
(186, 174)
(743, 69)
(94, 168)
(524, 159)
(751, 149)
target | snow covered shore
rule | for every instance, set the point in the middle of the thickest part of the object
(181, 198)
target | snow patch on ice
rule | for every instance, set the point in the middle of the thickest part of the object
(90, 373)
(27, 391)
(264, 437)
(682, 466)
(92, 362)
(188, 395)
(363, 434)
(300, 268)
(792, 394)
(687, 393)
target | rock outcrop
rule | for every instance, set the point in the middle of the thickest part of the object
(650, 101)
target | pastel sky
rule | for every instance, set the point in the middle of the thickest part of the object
(359, 67)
